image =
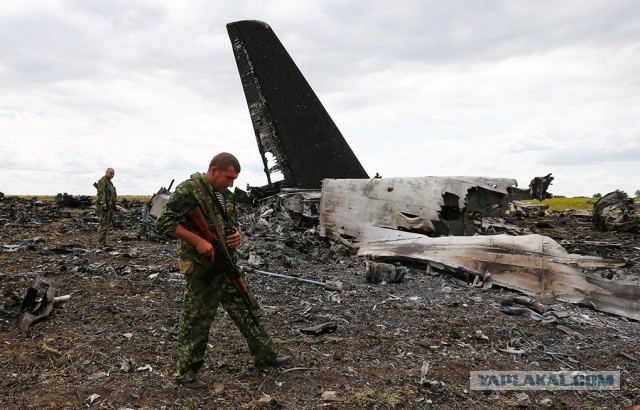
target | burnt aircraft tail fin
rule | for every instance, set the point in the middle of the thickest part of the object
(289, 120)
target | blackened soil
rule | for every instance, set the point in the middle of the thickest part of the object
(404, 345)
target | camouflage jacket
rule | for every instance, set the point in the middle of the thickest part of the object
(186, 197)
(106, 192)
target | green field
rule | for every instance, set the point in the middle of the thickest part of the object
(143, 198)
(577, 203)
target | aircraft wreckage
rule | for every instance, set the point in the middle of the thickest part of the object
(395, 218)
(438, 221)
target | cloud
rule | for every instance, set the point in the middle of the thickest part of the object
(493, 88)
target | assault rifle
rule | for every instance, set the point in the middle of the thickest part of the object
(197, 218)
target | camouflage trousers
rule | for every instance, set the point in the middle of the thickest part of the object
(204, 292)
(106, 220)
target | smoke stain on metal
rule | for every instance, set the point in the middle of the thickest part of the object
(289, 120)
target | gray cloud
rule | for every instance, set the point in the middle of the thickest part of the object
(528, 85)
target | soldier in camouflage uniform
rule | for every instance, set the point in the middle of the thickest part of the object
(106, 205)
(207, 284)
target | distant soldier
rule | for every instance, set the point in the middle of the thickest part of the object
(106, 205)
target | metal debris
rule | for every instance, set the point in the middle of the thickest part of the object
(424, 369)
(538, 187)
(93, 398)
(125, 365)
(628, 356)
(531, 264)
(528, 208)
(151, 210)
(533, 310)
(329, 285)
(38, 302)
(570, 331)
(531, 303)
(303, 205)
(511, 350)
(397, 207)
(377, 272)
(323, 328)
(137, 393)
(616, 212)
(70, 201)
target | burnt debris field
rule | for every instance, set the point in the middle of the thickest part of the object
(409, 344)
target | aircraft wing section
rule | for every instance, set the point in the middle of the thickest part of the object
(531, 264)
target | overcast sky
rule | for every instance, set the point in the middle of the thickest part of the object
(513, 89)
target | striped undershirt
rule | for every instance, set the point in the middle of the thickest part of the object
(220, 198)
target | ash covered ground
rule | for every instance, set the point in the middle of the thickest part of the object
(404, 345)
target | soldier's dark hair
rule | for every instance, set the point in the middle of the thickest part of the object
(224, 160)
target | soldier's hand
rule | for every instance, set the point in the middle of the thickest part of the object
(204, 248)
(104, 206)
(233, 241)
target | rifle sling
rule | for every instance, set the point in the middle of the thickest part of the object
(214, 218)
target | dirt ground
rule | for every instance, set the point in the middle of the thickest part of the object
(404, 345)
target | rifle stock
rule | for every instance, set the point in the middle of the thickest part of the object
(197, 218)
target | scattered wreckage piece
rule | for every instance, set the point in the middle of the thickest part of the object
(330, 285)
(261, 192)
(528, 208)
(320, 329)
(538, 304)
(494, 226)
(531, 264)
(151, 210)
(538, 187)
(431, 206)
(378, 272)
(157, 201)
(302, 204)
(28, 244)
(243, 197)
(38, 302)
(71, 201)
(616, 212)
(290, 123)
(533, 309)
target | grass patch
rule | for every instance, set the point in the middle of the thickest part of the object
(390, 397)
(49, 349)
(579, 203)
(143, 198)
(38, 197)
(560, 204)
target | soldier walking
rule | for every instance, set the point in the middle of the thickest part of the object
(207, 283)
